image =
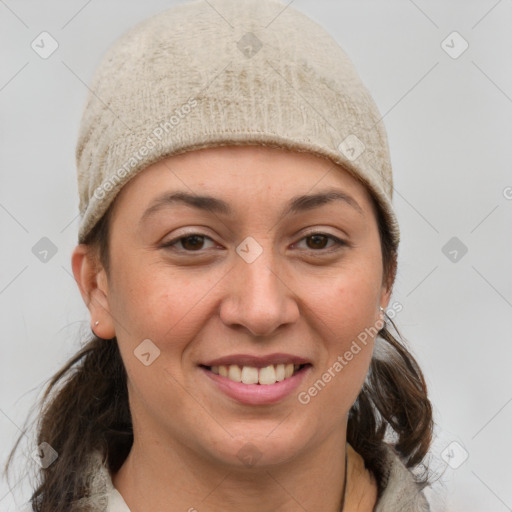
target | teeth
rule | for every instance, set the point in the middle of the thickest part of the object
(268, 375)
(280, 372)
(234, 373)
(251, 375)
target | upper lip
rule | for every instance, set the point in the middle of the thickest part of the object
(256, 361)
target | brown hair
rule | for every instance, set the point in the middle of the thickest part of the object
(85, 405)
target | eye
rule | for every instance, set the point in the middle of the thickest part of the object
(195, 242)
(317, 241)
(190, 243)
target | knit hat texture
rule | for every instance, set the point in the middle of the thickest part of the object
(226, 72)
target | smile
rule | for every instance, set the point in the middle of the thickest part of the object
(256, 380)
(266, 376)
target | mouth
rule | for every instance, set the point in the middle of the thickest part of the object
(255, 380)
(265, 376)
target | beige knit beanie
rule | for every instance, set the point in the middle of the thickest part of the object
(225, 72)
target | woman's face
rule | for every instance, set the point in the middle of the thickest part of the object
(231, 260)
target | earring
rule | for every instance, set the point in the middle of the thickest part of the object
(96, 323)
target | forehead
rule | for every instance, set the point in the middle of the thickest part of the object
(241, 175)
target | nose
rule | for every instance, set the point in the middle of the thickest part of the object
(259, 296)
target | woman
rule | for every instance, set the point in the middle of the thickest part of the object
(237, 252)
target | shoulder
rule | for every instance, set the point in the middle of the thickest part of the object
(398, 490)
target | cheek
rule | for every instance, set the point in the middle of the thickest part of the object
(156, 302)
(347, 313)
(348, 301)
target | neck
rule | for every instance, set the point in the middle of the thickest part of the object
(176, 478)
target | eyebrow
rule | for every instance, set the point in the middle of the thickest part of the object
(212, 204)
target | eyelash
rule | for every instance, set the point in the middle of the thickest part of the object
(340, 243)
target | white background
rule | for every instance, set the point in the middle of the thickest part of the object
(449, 123)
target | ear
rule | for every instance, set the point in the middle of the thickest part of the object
(387, 286)
(384, 301)
(92, 282)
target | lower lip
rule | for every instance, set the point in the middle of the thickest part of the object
(258, 394)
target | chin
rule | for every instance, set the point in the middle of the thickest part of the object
(273, 444)
(254, 454)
